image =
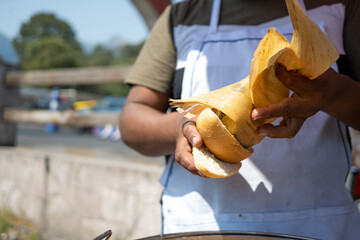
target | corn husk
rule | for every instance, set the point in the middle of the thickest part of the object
(313, 48)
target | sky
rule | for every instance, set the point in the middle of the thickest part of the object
(94, 21)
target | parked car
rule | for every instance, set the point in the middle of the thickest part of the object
(107, 104)
(113, 105)
(84, 107)
(110, 104)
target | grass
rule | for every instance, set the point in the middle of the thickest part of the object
(14, 227)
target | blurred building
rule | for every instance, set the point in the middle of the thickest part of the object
(150, 9)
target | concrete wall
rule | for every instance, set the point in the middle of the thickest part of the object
(79, 198)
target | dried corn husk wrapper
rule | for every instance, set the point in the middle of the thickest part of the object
(310, 53)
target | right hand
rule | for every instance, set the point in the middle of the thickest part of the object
(310, 97)
(188, 137)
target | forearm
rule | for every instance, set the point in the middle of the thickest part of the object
(345, 105)
(148, 130)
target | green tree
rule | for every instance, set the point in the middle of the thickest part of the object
(128, 54)
(48, 53)
(100, 57)
(47, 42)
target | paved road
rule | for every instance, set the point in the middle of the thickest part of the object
(68, 141)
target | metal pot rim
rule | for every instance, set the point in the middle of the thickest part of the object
(225, 233)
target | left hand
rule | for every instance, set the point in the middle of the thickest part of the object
(187, 138)
(309, 97)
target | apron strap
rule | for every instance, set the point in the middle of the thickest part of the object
(215, 15)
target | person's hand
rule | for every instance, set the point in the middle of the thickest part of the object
(309, 97)
(188, 137)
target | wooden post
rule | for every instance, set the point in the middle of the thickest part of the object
(9, 97)
(67, 77)
(70, 118)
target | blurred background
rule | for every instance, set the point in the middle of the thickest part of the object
(64, 171)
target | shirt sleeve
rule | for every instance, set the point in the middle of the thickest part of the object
(155, 64)
(352, 37)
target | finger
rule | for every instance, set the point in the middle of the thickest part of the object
(294, 81)
(330, 73)
(288, 129)
(284, 108)
(183, 155)
(191, 133)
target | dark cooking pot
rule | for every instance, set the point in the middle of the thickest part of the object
(226, 236)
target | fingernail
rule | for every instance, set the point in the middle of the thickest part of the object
(255, 115)
(194, 141)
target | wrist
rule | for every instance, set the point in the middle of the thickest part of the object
(176, 125)
(343, 103)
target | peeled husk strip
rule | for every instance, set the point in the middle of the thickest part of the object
(314, 49)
